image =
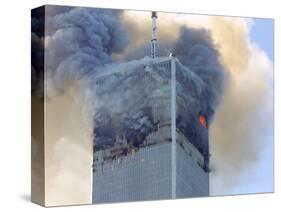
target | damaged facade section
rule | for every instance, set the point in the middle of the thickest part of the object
(133, 121)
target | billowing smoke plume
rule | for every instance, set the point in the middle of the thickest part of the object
(242, 130)
(196, 50)
(242, 133)
(202, 93)
(77, 42)
(80, 41)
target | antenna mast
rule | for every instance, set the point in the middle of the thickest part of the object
(154, 36)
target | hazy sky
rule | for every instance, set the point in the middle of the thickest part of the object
(262, 33)
(261, 176)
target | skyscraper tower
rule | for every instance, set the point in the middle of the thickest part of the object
(150, 136)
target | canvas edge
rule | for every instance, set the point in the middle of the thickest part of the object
(37, 126)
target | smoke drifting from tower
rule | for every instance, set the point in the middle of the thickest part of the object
(81, 41)
(235, 147)
(77, 43)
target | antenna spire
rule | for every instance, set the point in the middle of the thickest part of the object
(153, 42)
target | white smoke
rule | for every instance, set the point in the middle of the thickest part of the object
(81, 41)
(77, 42)
(243, 123)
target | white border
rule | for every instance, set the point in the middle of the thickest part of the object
(15, 104)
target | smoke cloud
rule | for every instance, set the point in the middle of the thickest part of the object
(243, 126)
(77, 41)
(194, 47)
(243, 123)
(80, 41)
(196, 50)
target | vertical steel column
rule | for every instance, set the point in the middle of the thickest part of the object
(173, 126)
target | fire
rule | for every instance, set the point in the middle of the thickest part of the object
(202, 121)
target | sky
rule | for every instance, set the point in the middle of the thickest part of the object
(262, 33)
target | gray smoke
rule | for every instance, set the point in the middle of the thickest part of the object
(196, 50)
(200, 88)
(81, 40)
(78, 41)
(123, 102)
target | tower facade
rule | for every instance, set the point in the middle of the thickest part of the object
(150, 136)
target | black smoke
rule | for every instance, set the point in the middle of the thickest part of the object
(200, 87)
(77, 42)
(196, 50)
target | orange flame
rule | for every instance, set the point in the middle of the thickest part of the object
(202, 121)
